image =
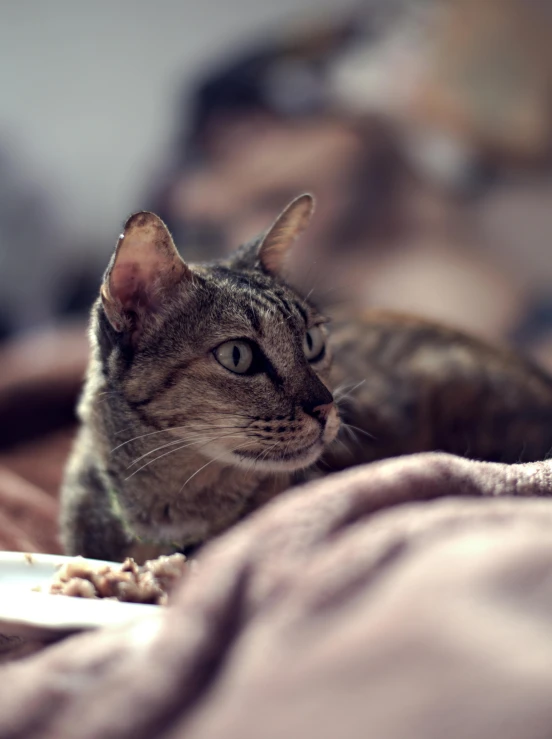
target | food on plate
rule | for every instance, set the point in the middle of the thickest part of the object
(151, 582)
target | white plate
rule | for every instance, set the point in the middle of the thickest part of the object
(28, 614)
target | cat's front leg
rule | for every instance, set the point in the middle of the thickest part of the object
(90, 525)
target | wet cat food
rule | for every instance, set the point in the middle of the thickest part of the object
(151, 582)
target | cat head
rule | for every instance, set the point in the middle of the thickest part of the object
(226, 356)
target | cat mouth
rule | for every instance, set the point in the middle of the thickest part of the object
(285, 459)
(298, 453)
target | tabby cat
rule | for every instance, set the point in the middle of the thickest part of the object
(211, 389)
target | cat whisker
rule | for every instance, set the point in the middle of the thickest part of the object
(322, 464)
(150, 433)
(223, 413)
(164, 446)
(316, 282)
(250, 465)
(286, 450)
(172, 443)
(340, 441)
(349, 431)
(307, 296)
(349, 392)
(180, 440)
(288, 318)
(188, 427)
(358, 430)
(123, 431)
(336, 288)
(214, 427)
(155, 460)
(254, 460)
(202, 442)
(343, 386)
(266, 451)
(352, 431)
(350, 434)
(262, 454)
(215, 459)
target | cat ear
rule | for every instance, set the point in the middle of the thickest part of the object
(279, 238)
(144, 267)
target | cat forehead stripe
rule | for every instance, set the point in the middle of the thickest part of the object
(270, 303)
(258, 291)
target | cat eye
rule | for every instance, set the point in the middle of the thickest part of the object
(236, 356)
(314, 344)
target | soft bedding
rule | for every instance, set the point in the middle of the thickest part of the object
(410, 599)
(328, 614)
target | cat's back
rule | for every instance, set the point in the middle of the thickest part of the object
(416, 385)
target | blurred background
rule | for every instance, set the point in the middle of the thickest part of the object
(423, 127)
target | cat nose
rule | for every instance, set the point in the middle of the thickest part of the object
(318, 402)
(321, 411)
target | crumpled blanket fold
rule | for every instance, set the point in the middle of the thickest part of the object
(327, 614)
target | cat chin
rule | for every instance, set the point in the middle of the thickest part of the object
(189, 530)
(290, 463)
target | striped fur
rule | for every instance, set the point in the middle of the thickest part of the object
(173, 447)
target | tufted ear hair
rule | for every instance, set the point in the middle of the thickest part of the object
(276, 244)
(145, 266)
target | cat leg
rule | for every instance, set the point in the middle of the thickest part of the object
(90, 525)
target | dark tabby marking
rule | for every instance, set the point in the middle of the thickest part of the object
(209, 391)
(421, 387)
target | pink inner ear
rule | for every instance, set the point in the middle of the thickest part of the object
(130, 286)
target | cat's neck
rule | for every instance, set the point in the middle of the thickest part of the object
(195, 497)
(168, 490)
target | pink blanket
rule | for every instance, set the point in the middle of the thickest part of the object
(333, 612)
